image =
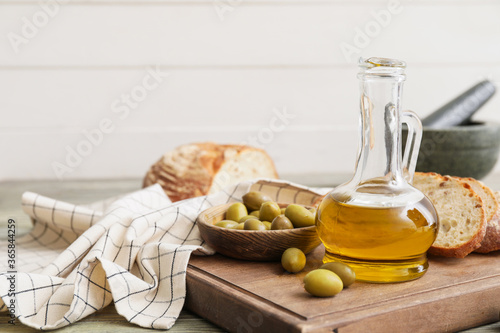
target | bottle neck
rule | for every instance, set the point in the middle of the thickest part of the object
(379, 154)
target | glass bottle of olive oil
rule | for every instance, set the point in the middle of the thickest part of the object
(378, 223)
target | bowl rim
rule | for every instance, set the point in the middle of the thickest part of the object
(476, 125)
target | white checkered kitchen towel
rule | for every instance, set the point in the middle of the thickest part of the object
(133, 251)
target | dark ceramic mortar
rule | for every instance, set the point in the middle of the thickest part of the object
(464, 151)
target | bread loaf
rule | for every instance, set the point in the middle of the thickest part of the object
(203, 168)
(461, 212)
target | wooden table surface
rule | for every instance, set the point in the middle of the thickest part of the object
(87, 191)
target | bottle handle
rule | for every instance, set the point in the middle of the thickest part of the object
(412, 146)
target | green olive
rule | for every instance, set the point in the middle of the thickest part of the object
(322, 283)
(293, 260)
(267, 224)
(227, 224)
(345, 273)
(255, 213)
(236, 211)
(283, 211)
(269, 210)
(299, 216)
(253, 200)
(313, 210)
(240, 226)
(248, 217)
(281, 222)
(254, 224)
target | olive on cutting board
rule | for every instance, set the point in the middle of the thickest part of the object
(323, 283)
(345, 272)
(293, 260)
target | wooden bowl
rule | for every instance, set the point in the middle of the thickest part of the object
(262, 245)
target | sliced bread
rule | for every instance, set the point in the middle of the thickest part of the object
(491, 240)
(461, 212)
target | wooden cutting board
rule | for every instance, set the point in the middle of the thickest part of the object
(247, 297)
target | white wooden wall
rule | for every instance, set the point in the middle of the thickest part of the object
(226, 68)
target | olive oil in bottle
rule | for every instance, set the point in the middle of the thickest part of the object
(381, 244)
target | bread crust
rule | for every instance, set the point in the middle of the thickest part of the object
(189, 170)
(474, 242)
(491, 241)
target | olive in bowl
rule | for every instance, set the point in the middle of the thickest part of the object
(255, 245)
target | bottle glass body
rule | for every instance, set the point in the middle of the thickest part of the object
(378, 223)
